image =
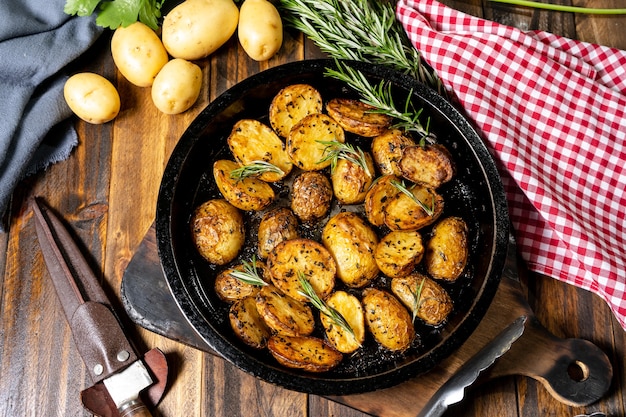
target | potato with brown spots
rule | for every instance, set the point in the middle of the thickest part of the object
(247, 323)
(249, 194)
(399, 252)
(276, 226)
(412, 212)
(308, 142)
(387, 319)
(351, 180)
(429, 165)
(379, 195)
(358, 117)
(387, 149)
(292, 104)
(311, 196)
(447, 249)
(351, 310)
(230, 289)
(424, 297)
(218, 231)
(283, 314)
(307, 353)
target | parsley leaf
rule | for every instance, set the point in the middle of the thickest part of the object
(115, 13)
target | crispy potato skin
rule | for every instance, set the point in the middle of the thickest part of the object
(387, 149)
(248, 324)
(251, 140)
(357, 117)
(283, 314)
(403, 213)
(307, 256)
(305, 141)
(379, 195)
(351, 241)
(307, 353)
(276, 226)
(311, 196)
(218, 231)
(398, 252)
(292, 104)
(430, 165)
(351, 310)
(249, 194)
(229, 289)
(433, 302)
(447, 249)
(387, 319)
(350, 181)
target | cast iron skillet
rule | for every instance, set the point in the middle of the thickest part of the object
(476, 194)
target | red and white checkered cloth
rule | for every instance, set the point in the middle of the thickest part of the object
(552, 111)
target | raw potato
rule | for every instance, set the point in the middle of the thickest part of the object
(177, 86)
(357, 117)
(398, 252)
(92, 97)
(387, 319)
(403, 213)
(283, 314)
(305, 144)
(351, 310)
(387, 150)
(260, 29)
(307, 257)
(248, 324)
(379, 195)
(430, 165)
(230, 289)
(417, 292)
(251, 141)
(292, 104)
(196, 28)
(218, 231)
(307, 353)
(447, 249)
(138, 53)
(249, 194)
(351, 241)
(311, 196)
(275, 227)
(350, 181)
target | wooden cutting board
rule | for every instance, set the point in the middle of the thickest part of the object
(574, 371)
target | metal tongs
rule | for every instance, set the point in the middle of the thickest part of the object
(125, 384)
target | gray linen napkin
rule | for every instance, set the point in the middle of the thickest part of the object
(37, 41)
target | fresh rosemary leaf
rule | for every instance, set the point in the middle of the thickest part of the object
(400, 186)
(331, 313)
(336, 150)
(562, 8)
(254, 169)
(417, 298)
(250, 274)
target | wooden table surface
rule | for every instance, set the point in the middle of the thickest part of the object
(107, 190)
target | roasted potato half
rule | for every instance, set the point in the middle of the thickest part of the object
(292, 104)
(352, 242)
(248, 324)
(251, 141)
(351, 181)
(249, 194)
(358, 117)
(307, 143)
(424, 297)
(307, 353)
(283, 314)
(218, 231)
(306, 256)
(276, 226)
(311, 196)
(377, 198)
(404, 213)
(429, 165)
(387, 149)
(398, 252)
(447, 249)
(351, 310)
(230, 289)
(387, 319)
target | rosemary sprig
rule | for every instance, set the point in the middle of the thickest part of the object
(400, 186)
(336, 150)
(417, 298)
(562, 8)
(254, 169)
(250, 274)
(361, 30)
(331, 313)
(381, 98)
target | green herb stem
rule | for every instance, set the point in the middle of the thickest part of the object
(562, 8)
(336, 150)
(254, 169)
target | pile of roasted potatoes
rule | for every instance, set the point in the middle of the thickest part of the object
(310, 299)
